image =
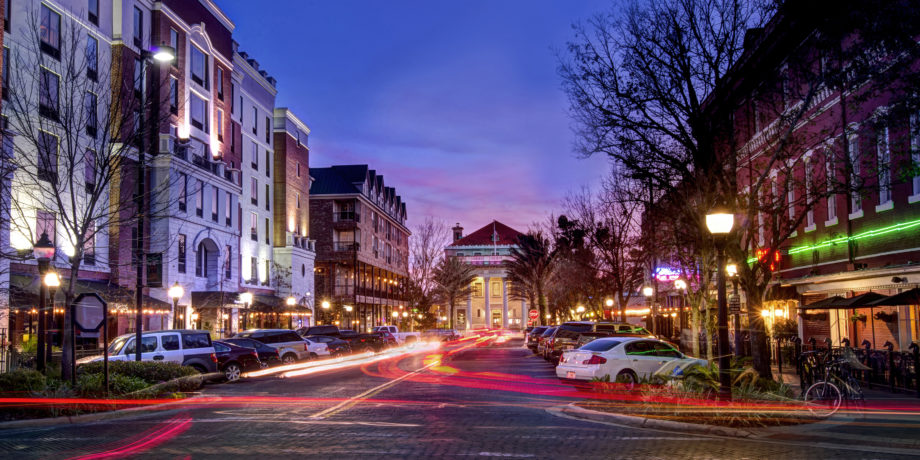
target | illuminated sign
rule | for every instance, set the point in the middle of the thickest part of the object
(666, 274)
(763, 254)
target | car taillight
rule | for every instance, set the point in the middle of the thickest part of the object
(595, 360)
(214, 357)
(305, 347)
(255, 355)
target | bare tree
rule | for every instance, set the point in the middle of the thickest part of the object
(453, 281)
(426, 250)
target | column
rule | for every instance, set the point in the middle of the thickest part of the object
(469, 311)
(504, 303)
(485, 292)
(525, 315)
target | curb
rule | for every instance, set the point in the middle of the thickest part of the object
(667, 425)
(94, 417)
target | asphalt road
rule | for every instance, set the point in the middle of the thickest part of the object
(488, 401)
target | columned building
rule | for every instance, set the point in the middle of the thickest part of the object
(362, 246)
(488, 305)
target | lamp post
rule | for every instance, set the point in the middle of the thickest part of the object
(609, 304)
(291, 302)
(325, 306)
(52, 281)
(681, 287)
(348, 309)
(732, 271)
(175, 293)
(43, 251)
(720, 223)
(648, 292)
(246, 298)
(160, 54)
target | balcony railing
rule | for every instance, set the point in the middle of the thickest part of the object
(346, 216)
(340, 246)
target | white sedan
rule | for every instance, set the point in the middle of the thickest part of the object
(625, 359)
(317, 348)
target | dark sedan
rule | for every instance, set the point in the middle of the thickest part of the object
(337, 347)
(233, 360)
(267, 355)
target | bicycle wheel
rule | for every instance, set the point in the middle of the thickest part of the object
(823, 399)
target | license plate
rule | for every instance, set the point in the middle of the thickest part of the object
(570, 375)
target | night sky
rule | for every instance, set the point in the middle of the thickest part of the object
(457, 103)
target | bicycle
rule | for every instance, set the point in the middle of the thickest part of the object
(824, 397)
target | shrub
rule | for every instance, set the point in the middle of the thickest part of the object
(148, 371)
(93, 385)
(22, 382)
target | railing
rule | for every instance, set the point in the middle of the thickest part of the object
(340, 246)
(895, 371)
(346, 216)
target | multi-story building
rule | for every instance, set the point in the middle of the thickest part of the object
(362, 245)
(293, 252)
(488, 249)
(845, 241)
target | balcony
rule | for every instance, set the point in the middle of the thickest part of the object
(346, 216)
(344, 246)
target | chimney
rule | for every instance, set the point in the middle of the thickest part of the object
(458, 232)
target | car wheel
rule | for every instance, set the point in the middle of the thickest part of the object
(232, 372)
(628, 378)
(199, 368)
(289, 358)
(314, 356)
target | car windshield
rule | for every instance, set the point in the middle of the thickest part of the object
(600, 345)
(118, 344)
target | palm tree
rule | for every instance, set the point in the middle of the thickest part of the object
(453, 280)
(530, 269)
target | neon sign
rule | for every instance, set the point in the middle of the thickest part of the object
(666, 274)
(763, 254)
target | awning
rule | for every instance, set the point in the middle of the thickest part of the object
(910, 297)
(862, 300)
(24, 292)
(215, 299)
(267, 303)
(823, 304)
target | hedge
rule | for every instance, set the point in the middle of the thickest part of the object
(149, 371)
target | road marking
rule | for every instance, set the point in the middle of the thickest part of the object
(354, 400)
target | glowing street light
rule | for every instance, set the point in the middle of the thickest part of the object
(175, 293)
(246, 298)
(720, 223)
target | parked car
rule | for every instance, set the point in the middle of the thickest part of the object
(441, 335)
(542, 339)
(623, 359)
(533, 336)
(187, 347)
(268, 356)
(564, 338)
(326, 329)
(233, 360)
(623, 330)
(335, 346)
(290, 346)
(401, 337)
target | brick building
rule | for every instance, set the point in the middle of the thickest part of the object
(362, 245)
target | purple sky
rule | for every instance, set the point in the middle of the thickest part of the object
(456, 103)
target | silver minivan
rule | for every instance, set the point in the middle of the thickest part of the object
(187, 347)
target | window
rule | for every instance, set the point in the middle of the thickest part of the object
(199, 67)
(89, 246)
(229, 209)
(883, 156)
(202, 265)
(214, 204)
(45, 225)
(6, 18)
(255, 120)
(173, 95)
(831, 179)
(148, 345)
(89, 170)
(255, 156)
(190, 341)
(810, 212)
(253, 270)
(855, 185)
(138, 77)
(50, 33)
(268, 163)
(183, 191)
(170, 342)
(228, 262)
(92, 8)
(174, 43)
(298, 200)
(268, 131)
(254, 191)
(89, 104)
(496, 289)
(199, 112)
(268, 197)
(47, 156)
(376, 247)
(180, 246)
(268, 231)
(298, 163)
(267, 273)
(6, 72)
(254, 226)
(477, 290)
(138, 27)
(790, 196)
(199, 200)
(92, 58)
(914, 149)
(48, 96)
(220, 125)
(220, 83)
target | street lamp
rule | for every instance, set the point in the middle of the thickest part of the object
(732, 271)
(246, 298)
(52, 281)
(175, 293)
(720, 224)
(580, 310)
(161, 54)
(681, 287)
(348, 309)
(325, 306)
(43, 251)
(648, 292)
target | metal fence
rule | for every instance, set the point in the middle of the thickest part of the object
(889, 370)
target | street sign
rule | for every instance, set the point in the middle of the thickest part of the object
(533, 314)
(734, 305)
(90, 311)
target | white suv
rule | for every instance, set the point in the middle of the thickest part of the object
(291, 346)
(186, 347)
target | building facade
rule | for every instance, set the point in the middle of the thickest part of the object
(488, 305)
(362, 246)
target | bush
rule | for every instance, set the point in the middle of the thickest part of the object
(149, 371)
(22, 382)
(93, 385)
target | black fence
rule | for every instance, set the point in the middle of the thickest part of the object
(895, 371)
